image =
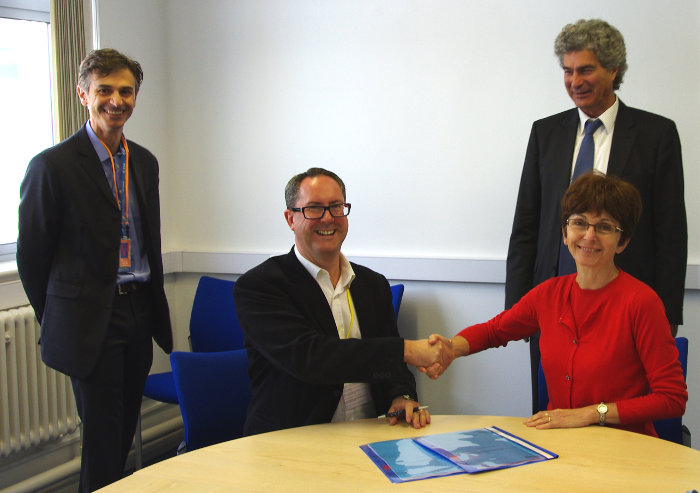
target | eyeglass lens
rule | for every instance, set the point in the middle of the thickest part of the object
(317, 211)
(602, 228)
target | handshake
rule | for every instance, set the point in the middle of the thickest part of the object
(431, 356)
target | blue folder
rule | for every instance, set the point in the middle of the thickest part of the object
(444, 454)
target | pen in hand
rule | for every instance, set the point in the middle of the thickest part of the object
(401, 412)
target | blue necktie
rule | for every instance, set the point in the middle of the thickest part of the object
(584, 160)
(584, 164)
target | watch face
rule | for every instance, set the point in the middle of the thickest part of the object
(602, 408)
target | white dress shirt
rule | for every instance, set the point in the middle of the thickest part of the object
(356, 401)
(602, 137)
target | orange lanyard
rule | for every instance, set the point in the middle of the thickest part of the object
(125, 211)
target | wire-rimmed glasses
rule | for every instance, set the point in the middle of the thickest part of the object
(580, 225)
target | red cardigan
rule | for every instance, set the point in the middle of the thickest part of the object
(611, 344)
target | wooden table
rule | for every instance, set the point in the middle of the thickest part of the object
(328, 458)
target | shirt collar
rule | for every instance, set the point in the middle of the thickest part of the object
(101, 150)
(608, 117)
(346, 273)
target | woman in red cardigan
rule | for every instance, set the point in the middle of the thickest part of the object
(607, 351)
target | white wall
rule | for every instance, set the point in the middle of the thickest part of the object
(424, 108)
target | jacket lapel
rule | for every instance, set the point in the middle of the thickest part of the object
(91, 165)
(623, 139)
(363, 296)
(566, 141)
(136, 180)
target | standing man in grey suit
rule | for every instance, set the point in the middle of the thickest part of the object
(89, 256)
(320, 331)
(640, 147)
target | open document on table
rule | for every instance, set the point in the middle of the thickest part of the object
(458, 452)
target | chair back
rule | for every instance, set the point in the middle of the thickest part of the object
(672, 429)
(213, 322)
(214, 391)
(396, 297)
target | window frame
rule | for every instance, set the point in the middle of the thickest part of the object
(28, 10)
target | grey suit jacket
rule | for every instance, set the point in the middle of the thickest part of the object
(68, 249)
(646, 152)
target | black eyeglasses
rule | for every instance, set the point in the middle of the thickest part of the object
(602, 228)
(317, 211)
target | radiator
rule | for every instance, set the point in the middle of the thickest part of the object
(37, 402)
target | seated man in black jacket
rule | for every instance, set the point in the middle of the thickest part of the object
(320, 331)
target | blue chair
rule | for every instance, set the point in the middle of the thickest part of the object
(160, 387)
(214, 391)
(668, 429)
(396, 297)
(214, 323)
(213, 327)
(673, 429)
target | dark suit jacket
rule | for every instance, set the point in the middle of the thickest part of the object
(297, 363)
(68, 249)
(646, 152)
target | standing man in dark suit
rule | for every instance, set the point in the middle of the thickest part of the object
(320, 331)
(89, 256)
(640, 147)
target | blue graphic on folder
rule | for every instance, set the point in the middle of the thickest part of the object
(460, 452)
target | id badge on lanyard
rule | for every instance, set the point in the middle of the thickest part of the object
(125, 242)
(125, 253)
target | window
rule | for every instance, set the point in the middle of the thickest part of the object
(26, 126)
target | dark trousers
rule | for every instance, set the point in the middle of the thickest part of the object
(109, 399)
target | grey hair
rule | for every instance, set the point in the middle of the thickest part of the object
(291, 191)
(605, 41)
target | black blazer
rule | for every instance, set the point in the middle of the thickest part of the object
(68, 249)
(646, 152)
(297, 363)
